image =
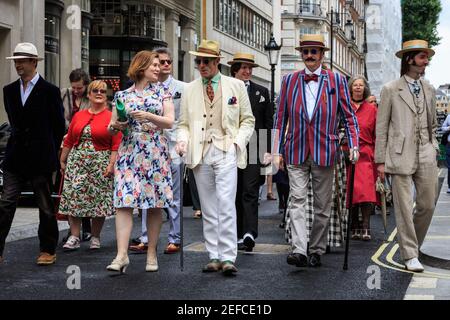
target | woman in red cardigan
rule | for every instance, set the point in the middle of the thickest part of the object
(87, 164)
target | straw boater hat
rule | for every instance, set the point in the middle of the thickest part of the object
(243, 58)
(312, 41)
(208, 49)
(415, 45)
(25, 50)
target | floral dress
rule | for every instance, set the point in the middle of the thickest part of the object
(87, 193)
(143, 178)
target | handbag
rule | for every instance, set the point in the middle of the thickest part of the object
(60, 216)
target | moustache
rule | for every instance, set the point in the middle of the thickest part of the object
(311, 60)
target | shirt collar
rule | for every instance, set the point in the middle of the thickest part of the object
(215, 79)
(32, 81)
(318, 71)
(168, 82)
(411, 80)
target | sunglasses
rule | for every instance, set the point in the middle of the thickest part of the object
(205, 61)
(307, 51)
(168, 62)
(96, 91)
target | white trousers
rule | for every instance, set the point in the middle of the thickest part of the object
(216, 179)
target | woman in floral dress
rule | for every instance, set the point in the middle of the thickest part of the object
(87, 163)
(142, 175)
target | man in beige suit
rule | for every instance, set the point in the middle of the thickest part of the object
(216, 123)
(406, 148)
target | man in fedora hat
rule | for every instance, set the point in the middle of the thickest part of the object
(250, 178)
(311, 103)
(35, 113)
(406, 148)
(216, 123)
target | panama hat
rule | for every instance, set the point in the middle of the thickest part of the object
(243, 58)
(25, 50)
(312, 41)
(415, 45)
(208, 49)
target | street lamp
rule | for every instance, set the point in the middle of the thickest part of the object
(335, 20)
(273, 53)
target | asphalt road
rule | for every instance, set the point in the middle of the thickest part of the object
(264, 276)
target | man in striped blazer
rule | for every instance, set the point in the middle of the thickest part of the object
(311, 104)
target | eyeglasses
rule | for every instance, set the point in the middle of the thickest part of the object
(307, 51)
(168, 62)
(96, 91)
(205, 61)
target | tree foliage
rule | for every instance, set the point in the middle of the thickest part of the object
(420, 20)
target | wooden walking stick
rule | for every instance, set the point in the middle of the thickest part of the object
(349, 218)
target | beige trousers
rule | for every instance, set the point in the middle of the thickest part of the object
(322, 182)
(412, 225)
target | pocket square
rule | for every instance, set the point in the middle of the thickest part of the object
(232, 101)
(262, 99)
(177, 95)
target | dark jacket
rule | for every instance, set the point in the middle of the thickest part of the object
(263, 112)
(37, 129)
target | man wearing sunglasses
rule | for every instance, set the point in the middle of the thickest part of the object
(311, 103)
(216, 123)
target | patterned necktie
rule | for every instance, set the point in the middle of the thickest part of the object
(210, 91)
(416, 89)
(311, 77)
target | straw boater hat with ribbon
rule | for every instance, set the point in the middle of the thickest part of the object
(207, 49)
(415, 45)
(244, 58)
(25, 50)
(312, 41)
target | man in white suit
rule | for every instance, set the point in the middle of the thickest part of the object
(216, 123)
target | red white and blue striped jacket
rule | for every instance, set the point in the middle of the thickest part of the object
(296, 136)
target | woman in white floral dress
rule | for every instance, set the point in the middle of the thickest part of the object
(142, 175)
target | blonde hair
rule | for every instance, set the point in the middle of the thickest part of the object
(97, 84)
(141, 61)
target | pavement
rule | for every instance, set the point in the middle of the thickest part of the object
(263, 274)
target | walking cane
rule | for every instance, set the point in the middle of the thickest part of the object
(349, 219)
(181, 215)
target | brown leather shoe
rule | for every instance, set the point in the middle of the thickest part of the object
(139, 248)
(46, 259)
(228, 268)
(172, 248)
(213, 265)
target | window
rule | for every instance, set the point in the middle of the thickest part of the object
(85, 49)
(239, 21)
(52, 55)
(130, 18)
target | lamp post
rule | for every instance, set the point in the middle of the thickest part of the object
(336, 20)
(273, 53)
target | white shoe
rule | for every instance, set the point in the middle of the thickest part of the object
(95, 243)
(414, 265)
(73, 243)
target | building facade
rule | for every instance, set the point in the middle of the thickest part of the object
(384, 39)
(243, 26)
(341, 21)
(120, 28)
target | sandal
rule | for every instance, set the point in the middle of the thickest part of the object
(197, 214)
(270, 196)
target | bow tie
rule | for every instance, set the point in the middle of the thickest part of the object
(311, 77)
